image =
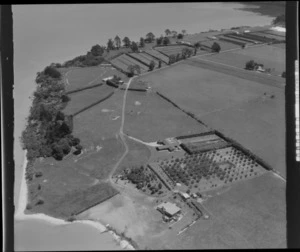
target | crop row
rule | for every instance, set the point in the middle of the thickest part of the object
(145, 59)
(169, 50)
(237, 37)
(270, 36)
(130, 61)
(158, 55)
(233, 41)
(256, 37)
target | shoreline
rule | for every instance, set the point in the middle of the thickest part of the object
(22, 203)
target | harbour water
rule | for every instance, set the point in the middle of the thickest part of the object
(55, 33)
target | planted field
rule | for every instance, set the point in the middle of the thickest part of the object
(149, 117)
(223, 44)
(145, 58)
(237, 37)
(199, 37)
(84, 98)
(271, 57)
(172, 50)
(158, 55)
(233, 41)
(212, 169)
(269, 36)
(124, 61)
(258, 38)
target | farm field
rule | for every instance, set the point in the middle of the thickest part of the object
(205, 91)
(82, 99)
(172, 49)
(235, 41)
(269, 56)
(236, 107)
(144, 58)
(224, 45)
(87, 76)
(158, 55)
(247, 215)
(199, 37)
(259, 125)
(269, 36)
(149, 117)
(130, 61)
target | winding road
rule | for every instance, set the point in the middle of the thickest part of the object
(121, 133)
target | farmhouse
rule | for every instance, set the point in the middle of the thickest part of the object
(170, 144)
(184, 195)
(169, 209)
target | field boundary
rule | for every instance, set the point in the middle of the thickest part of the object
(186, 112)
(93, 104)
(84, 88)
(246, 151)
(99, 202)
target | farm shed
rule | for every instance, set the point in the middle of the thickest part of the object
(168, 209)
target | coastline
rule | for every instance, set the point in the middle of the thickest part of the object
(23, 200)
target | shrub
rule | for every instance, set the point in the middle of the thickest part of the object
(216, 47)
(28, 206)
(38, 174)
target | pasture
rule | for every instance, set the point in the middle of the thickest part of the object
(82, 99)
(236, 107)
(87, 76)
(154, 118)
(269, 56)
(200, 37)
(247, 215)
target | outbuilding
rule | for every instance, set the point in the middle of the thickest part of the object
(169, 209)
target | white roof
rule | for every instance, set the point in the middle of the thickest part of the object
(169, 208)
(185, 195)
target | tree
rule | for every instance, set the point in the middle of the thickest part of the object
(150, 37)
(159, 40)
(152, 65)
(134, 47)
(126, 42)
(159, 64)
(142, 42)
(118, 42)
(216, 47)
(195, 51)
(110, 45)
(172, 59)
(197, 45)
(183, 32)
(167, 32)
(166, 41)
(250, 65)
(52, 72)
(180, 36)
(174, 33)
(97, 50)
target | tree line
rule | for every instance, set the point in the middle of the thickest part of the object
(48, 132)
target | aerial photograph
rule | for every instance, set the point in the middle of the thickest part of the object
(149, 126)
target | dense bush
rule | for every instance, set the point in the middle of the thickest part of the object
(52, 72)
(216, 47)
(48, 130)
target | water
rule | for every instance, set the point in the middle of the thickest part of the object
(55, 33)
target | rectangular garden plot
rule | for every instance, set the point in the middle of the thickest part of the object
(203, 143)
(158, 55)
